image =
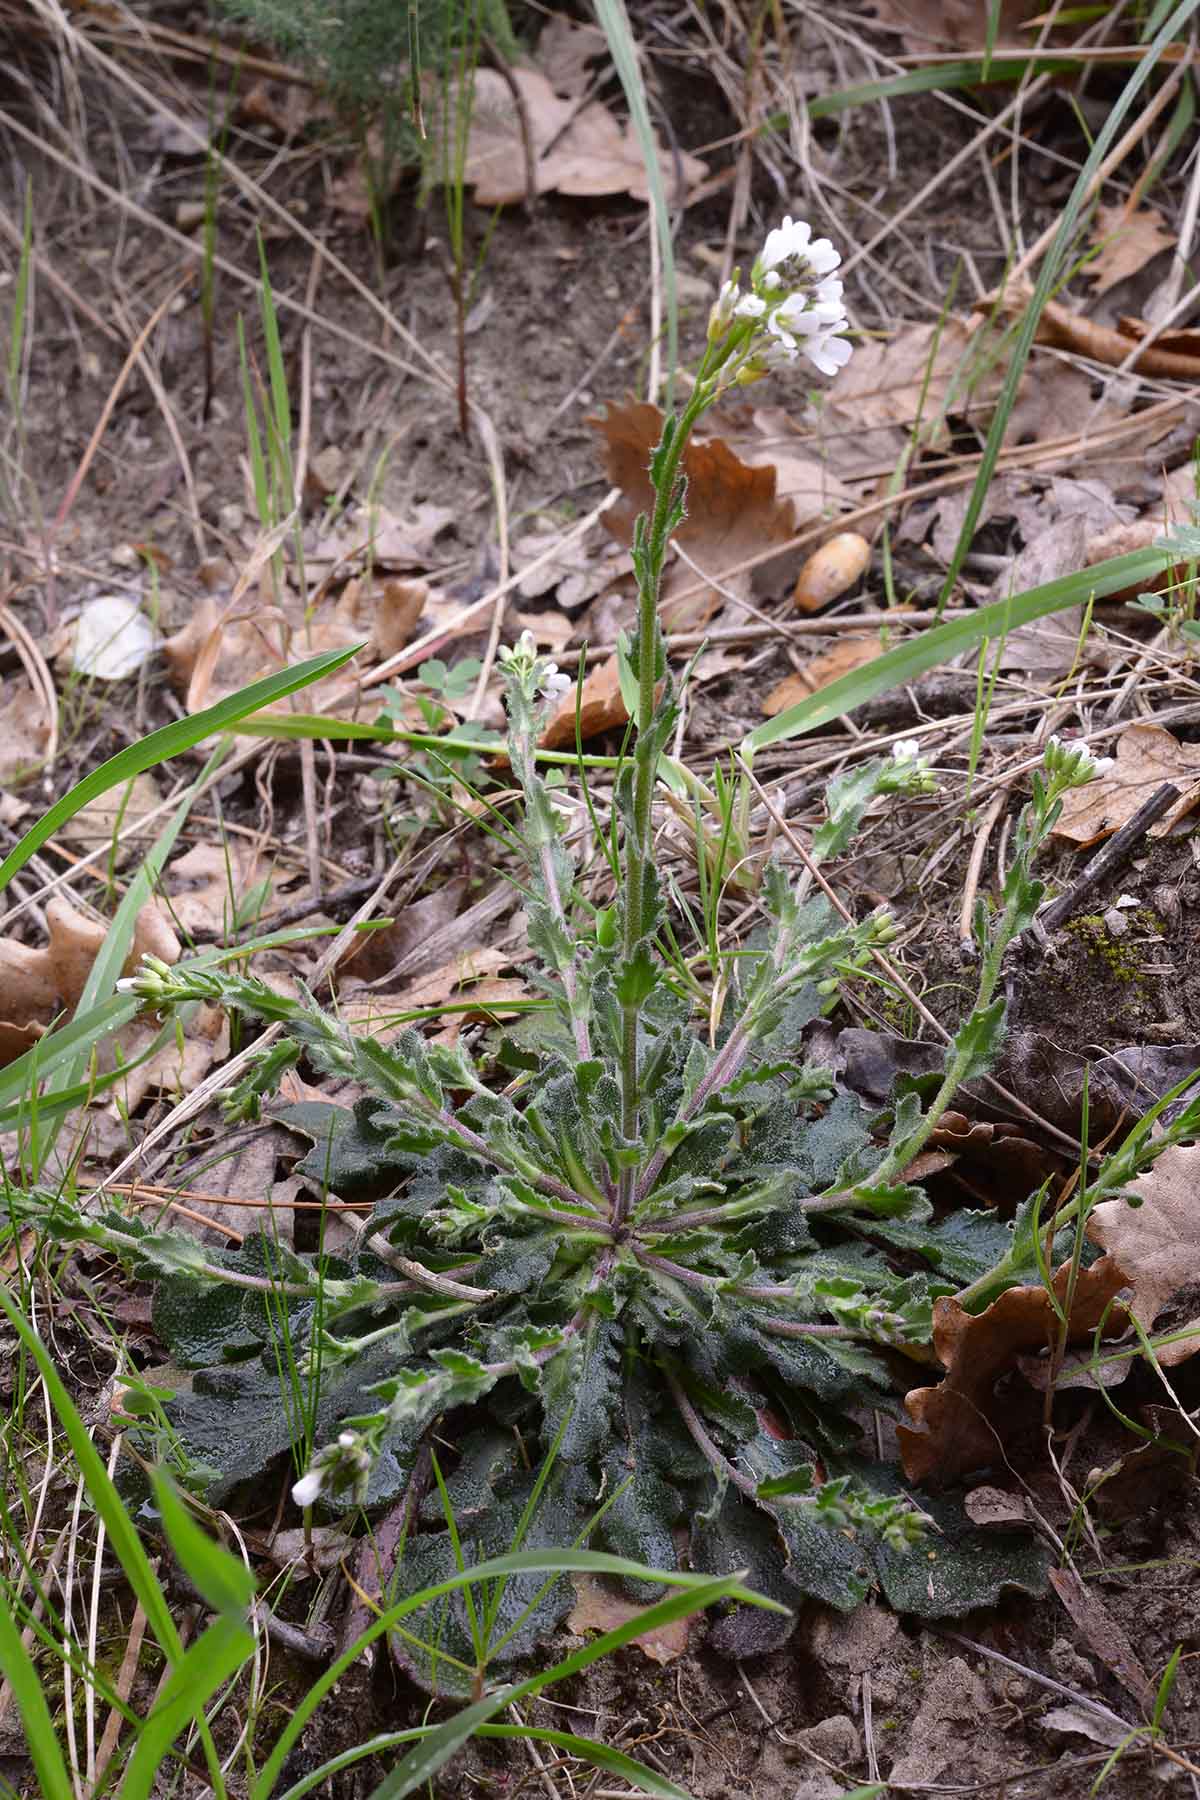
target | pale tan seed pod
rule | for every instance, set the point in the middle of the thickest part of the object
(831, 570)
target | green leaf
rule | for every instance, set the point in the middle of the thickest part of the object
(647, 1781)
(124, 1541)
(424, 1762)
(978, 1039)
(222, 1580)
(958, 1566)
(40, 1738)
(212, 1659)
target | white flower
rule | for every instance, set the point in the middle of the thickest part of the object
(1103, 764)
(553, 684)
(828, 353)
(308, 1488)
(750, 306)
(821, 257)
(906, 749)
(788, 240)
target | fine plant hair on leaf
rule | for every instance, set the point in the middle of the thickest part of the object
(667, 1269)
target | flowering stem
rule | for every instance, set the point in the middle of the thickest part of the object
(668, 503)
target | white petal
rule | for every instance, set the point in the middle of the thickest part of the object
(750, 307)
(309, 1486)
(789, 239)
(821, 257)
(829, 354)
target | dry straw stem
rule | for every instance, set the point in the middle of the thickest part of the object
(38, 673)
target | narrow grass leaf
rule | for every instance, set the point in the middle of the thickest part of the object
(596, 1562)
(216, 1656)
(421, 1764)
(223, 1582)
(930, 649)
(122, 1534)
(1048, 279)
(614, 22)
(647, 1781)
(40, 1741)
(970, 72)
(169, 741)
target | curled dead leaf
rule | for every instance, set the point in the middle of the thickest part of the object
(39, 981)
(24, 728)
(1126, 241)
(602, 708)
(734, 512)
(573, 151)
(221, 649)
(962, 1423)
(1157, 1243)
(598, 1608)
(1146, 756)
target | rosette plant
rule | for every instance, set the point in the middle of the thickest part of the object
(648, 1279)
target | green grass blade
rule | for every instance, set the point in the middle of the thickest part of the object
(1048, 279)
(614, 22)
(217, 1655)
(122, 1536)
(421, 1764)
(53, 1781)
(114, 952)
(223, 1582)
(84, 1030)
(928, 649)
(557, 1562)
(970, 72)
(168, 742)
(647, 1781)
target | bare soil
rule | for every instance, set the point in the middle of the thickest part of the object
(561, 306)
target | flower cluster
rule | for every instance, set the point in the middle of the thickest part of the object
(1072, 765)
(344, 1463)
(793, 306)
(536, 676)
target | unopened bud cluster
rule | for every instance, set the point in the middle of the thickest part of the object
(1071, 765)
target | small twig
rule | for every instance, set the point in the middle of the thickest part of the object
(1120, 845)
(314, 1646)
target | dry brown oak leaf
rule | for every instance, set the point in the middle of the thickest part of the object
(1146, 756)
(38, 981)
(961, 1424)
(574, 151)
(1157, 1244)
(733, 510)
(1126, 241)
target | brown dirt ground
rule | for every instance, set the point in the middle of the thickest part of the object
(803, 1725)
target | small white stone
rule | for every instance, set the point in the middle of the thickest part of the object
(113, 638)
